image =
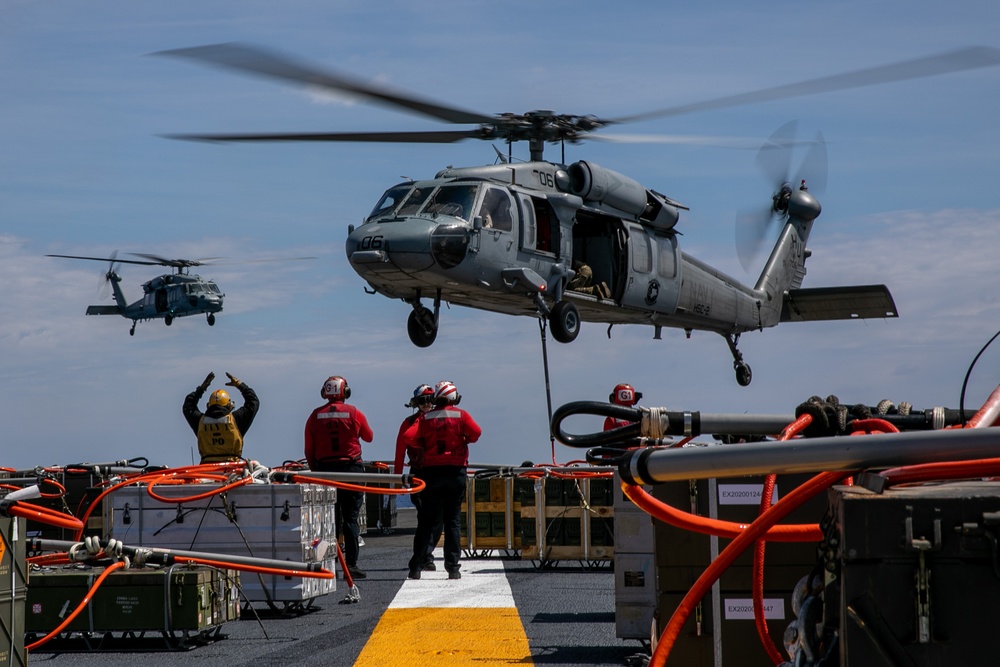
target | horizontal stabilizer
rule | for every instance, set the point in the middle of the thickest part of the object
(103, 310)
(838, 303)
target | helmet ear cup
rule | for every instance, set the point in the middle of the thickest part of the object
(347, 391)
(611, 397)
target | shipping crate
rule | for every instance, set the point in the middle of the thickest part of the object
(726, 630)
(13, 570)
(12, 651)
(174, 604)
(563, 522)
(273, 521)
(918, 574)
(490, 515)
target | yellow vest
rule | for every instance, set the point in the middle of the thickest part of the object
(219, 439)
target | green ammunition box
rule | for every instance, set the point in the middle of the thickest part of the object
(12, 652)
(173, 599)
(12, 564)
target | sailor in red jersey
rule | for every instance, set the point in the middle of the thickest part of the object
(333, 437)
(443, 435)
(423, 401)
(623, 394)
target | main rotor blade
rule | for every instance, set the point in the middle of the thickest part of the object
(256, 60)
(112, 260)
(944, 63)
(176, 263)
(429, 137)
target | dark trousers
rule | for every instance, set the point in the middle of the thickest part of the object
(440, 502)
(347, 510)
(417, 500)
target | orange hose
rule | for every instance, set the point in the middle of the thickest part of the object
(805, 532)
(753, 532)
(80, 607)
(313, 574)
(44, 515)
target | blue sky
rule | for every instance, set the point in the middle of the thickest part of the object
(911, 202)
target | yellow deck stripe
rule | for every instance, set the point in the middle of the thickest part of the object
(437, 621)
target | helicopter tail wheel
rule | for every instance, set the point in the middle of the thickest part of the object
(421, 327)
(742, 368)
(565, 321)
(168, 320)
(131, 332)
(211, 319)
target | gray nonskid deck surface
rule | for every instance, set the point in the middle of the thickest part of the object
(567, 612)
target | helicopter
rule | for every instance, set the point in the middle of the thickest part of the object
(176, 294)
(516, 237)
(166, 297)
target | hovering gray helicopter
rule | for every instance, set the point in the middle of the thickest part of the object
(513, 237)
(165, 297)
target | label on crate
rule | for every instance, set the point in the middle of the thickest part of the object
(741, 609)
(743, 494)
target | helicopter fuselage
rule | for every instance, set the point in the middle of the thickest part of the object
(468, 236)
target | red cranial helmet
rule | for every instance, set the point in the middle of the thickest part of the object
(335, 389)
(625, 394)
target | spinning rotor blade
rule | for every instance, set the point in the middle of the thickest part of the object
(943, 63)
(774, 159)
(430, 137)
(260, 61)
(175, 263)
(113, 259)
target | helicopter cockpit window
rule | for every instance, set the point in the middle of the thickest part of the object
(454, 200)
(496, 210)
(388, 202)
(414, 201)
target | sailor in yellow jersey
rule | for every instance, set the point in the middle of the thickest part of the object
(220, 429)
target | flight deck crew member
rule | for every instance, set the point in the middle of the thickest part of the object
(623, 394)
(332, 444)
(423, 401)
(220, 429)
(443, 434)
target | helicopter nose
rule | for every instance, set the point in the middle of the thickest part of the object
(409, 245)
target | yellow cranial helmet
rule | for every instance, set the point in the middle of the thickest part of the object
(221, 398)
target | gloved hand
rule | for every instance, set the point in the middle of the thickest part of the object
(208, 381)
(233, 382)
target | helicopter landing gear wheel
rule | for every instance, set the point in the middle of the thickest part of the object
(211, 319)
(742, 368)
(168, 320)
(131, 332)
(565, 321)
(421, 327)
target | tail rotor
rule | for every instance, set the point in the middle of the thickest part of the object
(756, 225)
(104, 288)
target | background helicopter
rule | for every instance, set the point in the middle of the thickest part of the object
(166, 297)
(510, 237)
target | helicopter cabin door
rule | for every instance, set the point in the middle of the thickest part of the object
(160, 300)
(653, 282)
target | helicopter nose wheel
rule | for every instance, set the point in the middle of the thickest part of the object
(565, 322)
(421, 326)
(211, 319)
(743, 373)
